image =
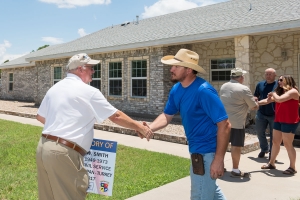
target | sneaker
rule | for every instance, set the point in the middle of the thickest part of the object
(240, 175)
(262, 154)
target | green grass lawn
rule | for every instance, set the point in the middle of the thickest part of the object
(136, 170)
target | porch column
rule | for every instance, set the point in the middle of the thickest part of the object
(242, 56)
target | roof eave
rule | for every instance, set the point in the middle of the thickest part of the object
(252, 30)
(32, 64)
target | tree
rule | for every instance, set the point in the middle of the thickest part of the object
(42, 47)
(6, 61)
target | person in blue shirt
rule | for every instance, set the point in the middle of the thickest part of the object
(204, 119)
(265, 114)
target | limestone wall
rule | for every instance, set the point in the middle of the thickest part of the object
(253, 53)
(158, 83)
(268, 51)
(44, 76)
(213, 50)
(24, 84)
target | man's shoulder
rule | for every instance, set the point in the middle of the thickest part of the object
(261, 83)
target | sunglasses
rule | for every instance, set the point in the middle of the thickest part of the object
(280, 80)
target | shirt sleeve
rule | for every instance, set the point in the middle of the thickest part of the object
(171, 108)
(249, 99)
(256, 92)
(42, 111)
(101, 108)
(212, 105)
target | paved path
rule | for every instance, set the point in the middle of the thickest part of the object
(264, 184)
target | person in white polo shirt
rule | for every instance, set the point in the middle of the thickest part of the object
(238, 100)
(68, 111)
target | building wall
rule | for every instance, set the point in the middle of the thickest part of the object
(268, 51)
(44, 76)
(24, 84)
(32, 83)
(158, 84)
(213, 50)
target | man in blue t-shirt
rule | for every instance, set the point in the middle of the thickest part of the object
(265, 114)
(204, 119)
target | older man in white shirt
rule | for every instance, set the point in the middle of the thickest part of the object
(68, 111)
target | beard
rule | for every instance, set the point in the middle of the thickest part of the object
(177, 79)
(174, 80)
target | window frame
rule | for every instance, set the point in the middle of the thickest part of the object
(97, 79)
(221, 70)
(115, 78)
(53, 74)
(10, 81)
(138, 78)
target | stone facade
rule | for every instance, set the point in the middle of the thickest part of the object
(279, 51)
(213, 50)
(158, 79)
(252, 53)
(24, 84)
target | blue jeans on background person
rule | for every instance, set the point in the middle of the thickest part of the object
(204, 187)
(261, 124)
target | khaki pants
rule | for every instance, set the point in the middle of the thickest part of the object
(61, 175)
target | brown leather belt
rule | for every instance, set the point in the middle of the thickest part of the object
(66, 143)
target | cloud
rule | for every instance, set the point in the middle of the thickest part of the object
(4, 56)
(75, 3)
(162, 7)
(52, 40)
(4, 46)
(81, 32)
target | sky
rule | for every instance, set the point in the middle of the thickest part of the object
(27, 25)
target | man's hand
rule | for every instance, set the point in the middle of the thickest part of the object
(145, 132)
(270, 94)
(217, 169)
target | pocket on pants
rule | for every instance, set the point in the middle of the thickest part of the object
(82, 181)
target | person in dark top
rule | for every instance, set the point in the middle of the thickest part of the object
(265, 114)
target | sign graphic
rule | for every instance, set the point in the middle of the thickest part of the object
(100, 163)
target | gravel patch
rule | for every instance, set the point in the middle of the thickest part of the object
(174, 128)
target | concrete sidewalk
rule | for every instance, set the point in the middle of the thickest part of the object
(263, 184)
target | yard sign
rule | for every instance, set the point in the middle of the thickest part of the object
(100, 163)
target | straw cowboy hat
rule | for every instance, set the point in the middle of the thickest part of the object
(184, 58)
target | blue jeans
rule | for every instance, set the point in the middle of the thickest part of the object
(204, 187)
(261, 124)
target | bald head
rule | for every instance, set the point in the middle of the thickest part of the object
(270, 75)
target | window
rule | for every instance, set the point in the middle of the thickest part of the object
(220, 69)
(57, 74)
(139, 78)
(10, 81)
(115, 79)
(96, 79)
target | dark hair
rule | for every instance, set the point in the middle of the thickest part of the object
(290, 83)
(195, 72)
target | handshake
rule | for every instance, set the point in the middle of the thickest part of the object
(144, 131)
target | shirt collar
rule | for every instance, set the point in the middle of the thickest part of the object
(74, 76)
(233, 81)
